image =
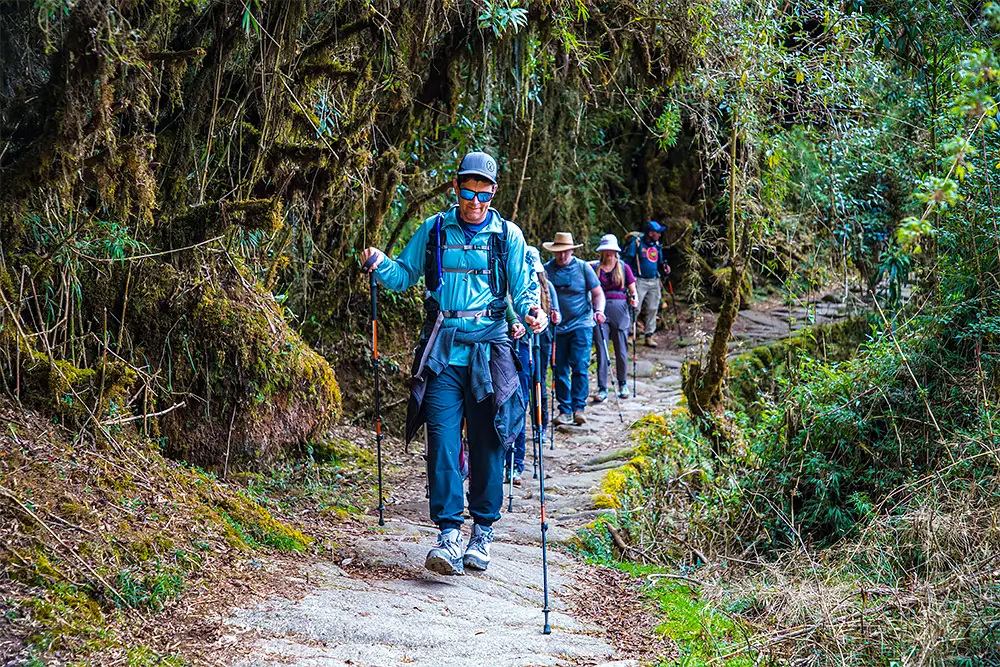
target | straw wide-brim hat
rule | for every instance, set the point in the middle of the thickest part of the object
(564, 241)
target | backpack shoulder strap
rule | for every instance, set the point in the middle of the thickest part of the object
(499, 254)
(433, 268)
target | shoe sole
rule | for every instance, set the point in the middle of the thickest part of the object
(475, 563)
(440, 565)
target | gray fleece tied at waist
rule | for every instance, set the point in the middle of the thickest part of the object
(492, 373)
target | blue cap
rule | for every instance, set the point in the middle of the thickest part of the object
(654, 226)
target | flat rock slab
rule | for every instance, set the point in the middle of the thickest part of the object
(644, 368)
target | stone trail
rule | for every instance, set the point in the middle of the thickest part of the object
(402, 614)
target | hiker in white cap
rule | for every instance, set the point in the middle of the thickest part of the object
(548, 301)
(573, 279)
(618, 284)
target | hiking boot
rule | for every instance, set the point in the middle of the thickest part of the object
(516, 478)
(650, 342)
(563, 419)
(623, 391)
(477, 556)
(602, 395)
(446, 557)
(578, 418)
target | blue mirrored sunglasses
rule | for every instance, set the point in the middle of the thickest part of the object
(469, 195)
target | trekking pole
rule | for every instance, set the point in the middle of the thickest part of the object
(510, 493)
(635, 342)
(673, 302)
(552, 398)
(607, 359)
(378, 393)
(537, 436)
(534, 457)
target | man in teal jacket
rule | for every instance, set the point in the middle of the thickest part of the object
(470, 259)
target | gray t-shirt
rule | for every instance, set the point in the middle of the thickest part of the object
(573, 283)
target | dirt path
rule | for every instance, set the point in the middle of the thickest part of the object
(381, 608)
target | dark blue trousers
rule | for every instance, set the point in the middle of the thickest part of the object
(572, 360)
(546, 353)
(522, 349)
(447, 400)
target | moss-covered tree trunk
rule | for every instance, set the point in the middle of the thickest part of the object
(703, 383)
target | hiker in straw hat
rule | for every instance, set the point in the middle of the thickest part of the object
(573, 279)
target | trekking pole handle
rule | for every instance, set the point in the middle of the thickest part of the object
(367, 266)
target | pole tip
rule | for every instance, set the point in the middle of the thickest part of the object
(546, 630)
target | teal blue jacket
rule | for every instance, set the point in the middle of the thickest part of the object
(463, 291)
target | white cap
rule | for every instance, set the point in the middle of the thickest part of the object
(533, 258)
(609, 242)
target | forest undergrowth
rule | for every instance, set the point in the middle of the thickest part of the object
(103, 537)
(854, 521)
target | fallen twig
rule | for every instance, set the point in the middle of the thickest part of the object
(123, 420)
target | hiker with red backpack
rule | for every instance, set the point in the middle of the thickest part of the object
(645, 255)
(470, 259)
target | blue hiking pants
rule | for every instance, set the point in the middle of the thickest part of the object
(572, 360)
(522, 350)
(447, 400)
(546, 353)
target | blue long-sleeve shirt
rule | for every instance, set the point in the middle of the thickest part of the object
(461, 291)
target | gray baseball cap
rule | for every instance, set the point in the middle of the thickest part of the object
(479, 164)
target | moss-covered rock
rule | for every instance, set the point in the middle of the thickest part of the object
(72, 394)
(272, 390)
(251, 387)
(757, 372)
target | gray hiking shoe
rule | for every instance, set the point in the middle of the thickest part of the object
(602, 395)
(446, 557)
(477, 556)
(623, 391)
(563, 419)
(578, 418)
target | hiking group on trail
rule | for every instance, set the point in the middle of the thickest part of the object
(493, 312)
